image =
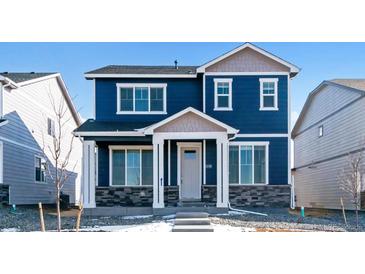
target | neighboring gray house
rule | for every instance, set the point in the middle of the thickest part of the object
(27, 122)
(330, 127)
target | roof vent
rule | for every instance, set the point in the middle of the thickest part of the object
(176, 67)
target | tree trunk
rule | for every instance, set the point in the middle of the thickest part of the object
(43, 228)
(58, 208)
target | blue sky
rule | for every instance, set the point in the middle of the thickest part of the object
(318, 61)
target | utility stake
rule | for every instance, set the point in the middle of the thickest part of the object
(302, 212)
(43, 229)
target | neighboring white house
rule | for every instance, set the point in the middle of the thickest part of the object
(26, 127)
(330, 128)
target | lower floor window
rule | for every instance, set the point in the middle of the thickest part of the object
(39, 169)
(131, 166)
(248, 163)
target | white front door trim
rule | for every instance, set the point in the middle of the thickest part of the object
(181, 145)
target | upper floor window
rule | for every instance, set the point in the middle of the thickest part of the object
(222, 94)
(50, 127)
(141, 98)
(40, 169)
(269, 94)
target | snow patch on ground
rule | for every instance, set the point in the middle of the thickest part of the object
(137, 217)
(228, 228)
(150, 227)
(12, 229)
(168, 217)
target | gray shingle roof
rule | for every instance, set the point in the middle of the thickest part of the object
(114, 69)
(97, 126)
(352, 83)
(19, 77)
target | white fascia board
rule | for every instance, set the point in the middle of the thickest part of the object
(293, 68)
(230, 130)
(92, 76)
(107, 133)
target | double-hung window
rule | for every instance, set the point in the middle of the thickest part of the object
(40, 169)
(131, 166)
(248, 163)
(269, 94)
(222, 94)
(141, 98)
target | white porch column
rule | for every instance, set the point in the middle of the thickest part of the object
(158, 173)
(222, 173)
(88, 174)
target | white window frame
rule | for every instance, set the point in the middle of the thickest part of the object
(262, 95)
(216, 95)
(320, 131)
(125, 148)
(35, 177)
(252, 144)
(144, 85)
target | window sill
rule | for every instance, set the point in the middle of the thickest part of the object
(140, 112)
(269, 109)
(129, 186)
(40, 183)
(261, 184)
(223, 109)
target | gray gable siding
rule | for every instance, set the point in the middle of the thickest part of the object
(326, 102)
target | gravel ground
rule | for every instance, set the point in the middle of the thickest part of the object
(27, 219)
(280, 219)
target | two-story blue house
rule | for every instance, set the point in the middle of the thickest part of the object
(172, 136)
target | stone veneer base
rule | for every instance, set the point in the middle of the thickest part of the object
(251, 195)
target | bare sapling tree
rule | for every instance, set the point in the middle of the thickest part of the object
(351, 180)
(59, 150)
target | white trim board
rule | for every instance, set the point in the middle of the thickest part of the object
(108, 133)
(258, 73)
(94, 75)
(263, 135)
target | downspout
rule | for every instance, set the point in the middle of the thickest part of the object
(241, 210)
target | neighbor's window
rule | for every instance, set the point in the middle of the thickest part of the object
(50, 127)
(223, 94)
(268, 94)
(39, 169)
(141, 98)
(248, 163)
(131, 167)
(320, 131)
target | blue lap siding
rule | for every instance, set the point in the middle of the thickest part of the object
(181, 93)
(246, 115)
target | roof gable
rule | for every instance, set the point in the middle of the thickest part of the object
(198, 117)
(280, 63)
(311, 97)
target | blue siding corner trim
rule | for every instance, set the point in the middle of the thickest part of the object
(246, 115)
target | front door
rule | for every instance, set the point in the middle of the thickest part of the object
(190, 176)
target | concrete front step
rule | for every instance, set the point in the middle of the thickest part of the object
(193, 221)
(191, 215)
(192, 228)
